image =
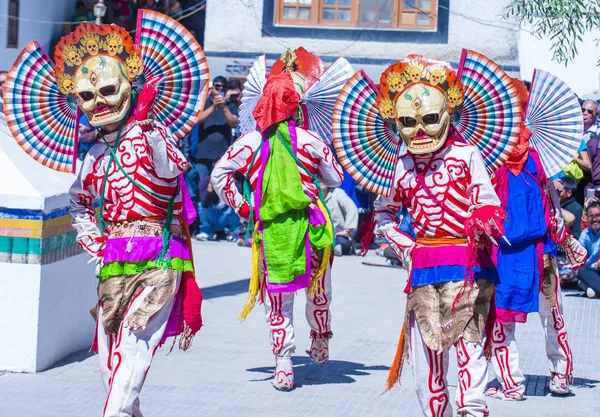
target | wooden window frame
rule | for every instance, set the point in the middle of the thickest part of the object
(317, 7)
(12, 28)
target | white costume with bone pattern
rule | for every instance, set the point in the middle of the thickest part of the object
(456, 177)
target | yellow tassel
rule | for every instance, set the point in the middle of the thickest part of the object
(314, 282)
(254, 278)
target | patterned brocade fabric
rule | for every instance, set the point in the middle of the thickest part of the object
(549, 283)
(439, 325)
(116, 295)
(141, 228)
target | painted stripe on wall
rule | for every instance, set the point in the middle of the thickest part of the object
(36, 237)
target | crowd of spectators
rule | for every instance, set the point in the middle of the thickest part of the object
(578, 188)
(123, 12)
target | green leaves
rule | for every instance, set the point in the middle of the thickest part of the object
(565, 22)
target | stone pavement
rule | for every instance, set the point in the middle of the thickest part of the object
(228, 370)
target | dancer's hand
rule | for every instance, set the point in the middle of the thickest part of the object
(575, 253)
(401, 243)
(244, 210)
(488, 221)
(146, 98)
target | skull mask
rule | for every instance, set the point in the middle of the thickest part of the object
(423, 119)
(103, 91)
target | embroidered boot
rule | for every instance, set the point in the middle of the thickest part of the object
(284, 374)
(506, 395)
(319, 347)
(559, 384)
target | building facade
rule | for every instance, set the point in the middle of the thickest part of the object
(371, 34)
(36, 19)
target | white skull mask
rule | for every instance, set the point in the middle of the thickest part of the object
(103, 91)
(423, 119)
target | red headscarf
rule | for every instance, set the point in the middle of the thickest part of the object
(279, 101)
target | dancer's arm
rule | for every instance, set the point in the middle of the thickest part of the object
(480, 189)
(83, 213)
(329, 171)
(557, 222)
(386, 224)
(165, 157)
(486, 214)
(386, 209)
(237, 158)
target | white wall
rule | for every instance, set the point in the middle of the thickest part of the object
(583, 75)
(232, 27)
(43, 10)
(19, 301)
(44, 312)
(67, 293)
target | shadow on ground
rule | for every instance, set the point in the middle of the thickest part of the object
(225, 290)
(537, 385)
(333, 372)
(73, 358)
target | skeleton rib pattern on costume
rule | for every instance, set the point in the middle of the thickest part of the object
(458, 180)
(150, 158)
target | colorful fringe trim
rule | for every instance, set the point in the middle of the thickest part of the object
(395, 372)
(314, 282)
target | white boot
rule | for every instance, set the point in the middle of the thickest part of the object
(319, 348)
(559, 384)
(284, 374)
(506, 395)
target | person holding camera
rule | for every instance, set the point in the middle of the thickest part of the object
(219, 118)
(589, 276)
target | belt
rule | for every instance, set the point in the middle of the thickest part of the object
(441, 241)
(145, 227)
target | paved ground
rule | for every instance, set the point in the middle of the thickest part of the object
(228, 370)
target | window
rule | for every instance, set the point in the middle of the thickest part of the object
(12, 37)
(373, 14)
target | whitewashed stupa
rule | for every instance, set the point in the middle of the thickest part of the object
(46, 285)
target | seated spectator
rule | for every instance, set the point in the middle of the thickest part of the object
(123, 9)
(191, 179)
(175, 7)
(565, 187)
(217, 220)
(589, 278)
(82, 14)
(405, 226)
(344, 216)
(153, 5)
(572, 213)
(594, 197)
(578, 167)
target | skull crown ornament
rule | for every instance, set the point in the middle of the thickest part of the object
(418, 95)
(96, 64)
